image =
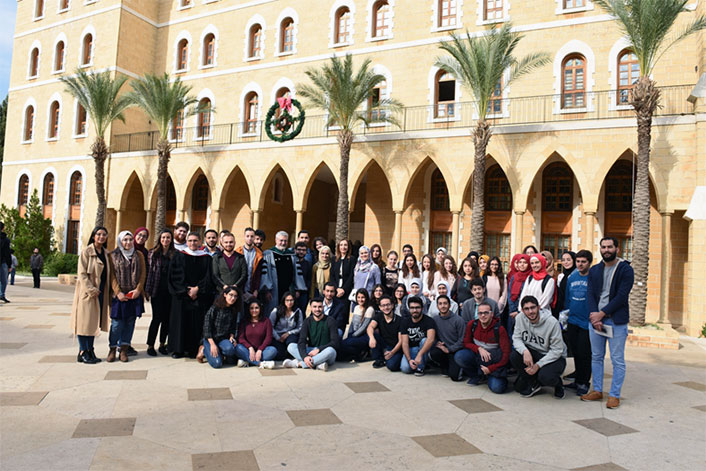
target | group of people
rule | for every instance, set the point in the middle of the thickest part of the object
(308, 307)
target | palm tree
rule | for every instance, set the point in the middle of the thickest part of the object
(481, 64)
(163, 101)
(98, 93)
(646, 24)
(340, 91)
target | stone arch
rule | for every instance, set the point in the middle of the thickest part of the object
(236, 201)
(428, 159)
(320, 201)
(372, 206)
(574, 164)
(132, 204)
(277, 208)
(281, 166)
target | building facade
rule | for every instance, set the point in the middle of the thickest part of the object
(560, 165)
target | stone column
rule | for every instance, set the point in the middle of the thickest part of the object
(256, 219)
(118, 220)
(299, 224)
(665, 268)
(182, 213)
(455, 234)
(589, 244)
(519, 229)
(398, 232)
(216, 219)
(149, 223)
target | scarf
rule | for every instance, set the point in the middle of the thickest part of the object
(127, 271)
(196, 253)
(487, 260)
(322, 274)
(286, 251)
(542, 273)
(126, 253)
(518, 277)
(364, 266)
(568, 271)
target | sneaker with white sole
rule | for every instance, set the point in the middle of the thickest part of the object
(322, 366)
(532, 390)
(243, 364)
(268, 365)
(290, 363)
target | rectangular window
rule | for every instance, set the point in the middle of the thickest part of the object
(80, 121)
(574, 3)
(498, 245)
(382, 21)
(447, 13)
(557, 244)
(72, 237)
(344, 27)
(493, 10)
(446, 97)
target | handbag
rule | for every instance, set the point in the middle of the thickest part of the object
(351, 296)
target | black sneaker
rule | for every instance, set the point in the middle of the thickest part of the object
(559, 392)
(177, 355)
(419, 372)
(582, 389)
(151, 351)
(163, 350)
(532, 390)
(131, 352)
(378, 364)
(4, 299)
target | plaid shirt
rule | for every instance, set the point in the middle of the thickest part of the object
(219, 324)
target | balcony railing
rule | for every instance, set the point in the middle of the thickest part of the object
(515, 111)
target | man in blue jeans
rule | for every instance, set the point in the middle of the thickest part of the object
(609, 285)
(385, 340)
(418, 333)
(318, 340)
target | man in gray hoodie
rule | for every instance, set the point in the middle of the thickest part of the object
(539, 354)
(450, 329)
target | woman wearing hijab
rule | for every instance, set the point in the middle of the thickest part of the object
(519, 271)
(89, 312)
(483, 264)
(568, 264)
(551, 268)
(157, 291)
(320, 272)
(128, 284)
(365, 274)
(540, 285)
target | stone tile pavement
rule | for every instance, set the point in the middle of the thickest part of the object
(160, 413)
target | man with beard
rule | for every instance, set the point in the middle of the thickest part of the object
(180, 231)
(300, 250)
(260, 238)
(229, 267)
(609, 285)
(280, 272)
(418, 334)
(192, 294)
(210, 238)
(253, 260)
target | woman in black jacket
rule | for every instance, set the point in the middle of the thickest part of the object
(342, 270)
(157, 290)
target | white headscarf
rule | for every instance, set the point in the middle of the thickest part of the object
(126, 253)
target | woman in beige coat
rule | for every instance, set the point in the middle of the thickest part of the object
(89, 313)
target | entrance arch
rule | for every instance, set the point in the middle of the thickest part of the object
(236, 214)
(277, 206)
(132, 206)
(321, 203)
(372, 211)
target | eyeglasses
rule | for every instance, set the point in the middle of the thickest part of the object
(484, 313)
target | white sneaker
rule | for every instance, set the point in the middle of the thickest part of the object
(323, 366)
(243, 364)
(268, 365)
(290, 363)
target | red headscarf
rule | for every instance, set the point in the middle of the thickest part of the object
(542, 273)
(518, 277)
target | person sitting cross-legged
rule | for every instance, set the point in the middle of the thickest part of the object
(318, 340)
(254, 339)
(384, 336)
(418, 334)
(540, 354)
(487, 350)
(220, 327)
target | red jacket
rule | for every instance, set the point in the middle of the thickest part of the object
(487, 335)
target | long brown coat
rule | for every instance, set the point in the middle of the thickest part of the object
(85, 316)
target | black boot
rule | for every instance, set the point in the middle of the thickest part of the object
(86, 357)
(94, 357)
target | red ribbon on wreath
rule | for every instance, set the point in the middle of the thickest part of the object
(285, 103)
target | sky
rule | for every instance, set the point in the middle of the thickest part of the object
(8, 9)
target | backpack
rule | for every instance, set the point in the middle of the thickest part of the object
(496, 330)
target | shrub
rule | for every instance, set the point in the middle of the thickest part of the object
(61, 263)
(26, 233)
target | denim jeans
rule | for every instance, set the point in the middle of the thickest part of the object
(243, 353)
(327, 355)
(121, 331)
(378, 353)
(352, 348)
(12, 277)
(85, 343)
(4, 270)
(471, 362)
(225, 349)
(413, 351)
(617, 356)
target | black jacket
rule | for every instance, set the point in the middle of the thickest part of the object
(348, 267)
(334, 340)
(5, 256)
(222, 275)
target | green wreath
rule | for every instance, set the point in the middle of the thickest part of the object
(287, 125)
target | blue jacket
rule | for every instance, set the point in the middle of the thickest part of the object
(617, 308)
(575, 299)
(339, 311)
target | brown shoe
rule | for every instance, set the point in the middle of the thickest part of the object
(200, 357)
(123, 353)
(111, 355)
(613, 402)
(592, 396)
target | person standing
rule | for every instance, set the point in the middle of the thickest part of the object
(301, 250)
(13, 267)
(519, 271)
(342, 275)
(318, 341)
(576, 333)
(260, 238)
(36, 264)
(159, 260)
(5, 261)
(495, 283)
(447, 272)
(253, 260)
(220, 327)
(461, 289)
(376, 254)
(609, 286)
(190, 283)
(280, 273)
(142, 234)
(181, 230)
(428, 273)
(210, 239)
(89, 311)
(320, 272)
(540, 284)
(418, 334)
(228, 266)
(128, 283)
(390, 274)
(450, 329)
(410, 271)
(365, 274)
(304, 237)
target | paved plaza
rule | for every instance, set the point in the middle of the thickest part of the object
(161, 413)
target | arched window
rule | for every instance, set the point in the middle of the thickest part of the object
(255, 39)
(557, 188)
(184, 3)
(34, 63)
(54, 115)
(63, 5)
(23, 191)
(628, 73)
(80, 120)
(447, 13)
(48, 195)
(182, 54)
(573, 89)
(495, 105)
(381, 19)
(277, 189)
(204, 118)
(38, 9)
(619, 187)
(178, 126)
(59, 53)
(76, 189)
(492, 10)
(251, 111)
(29, 123)
(498, 196)
(375, 112)
(209, 49)
(282, 92)
(74, 223)
(342, 34)
(439, 192)
(87, 52)
(444, 95)
(574, 3)
(199, 196)
(286, 34)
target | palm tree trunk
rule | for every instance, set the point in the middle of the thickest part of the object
(481, 137)
(99, 152)
(345, 139)
(645, 97)
(163, 151)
